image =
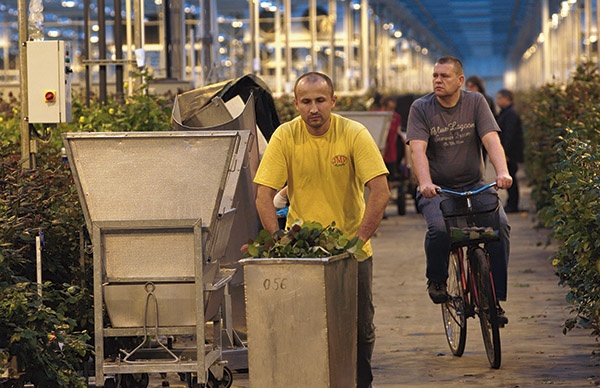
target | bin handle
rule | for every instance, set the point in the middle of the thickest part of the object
(149, 287)
(248, 147)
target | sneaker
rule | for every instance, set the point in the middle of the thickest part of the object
(437, 292)
(502, 319)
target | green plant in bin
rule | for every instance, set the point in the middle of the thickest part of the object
(305, 240)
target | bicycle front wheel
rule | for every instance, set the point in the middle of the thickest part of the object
(453, 310)
(486, 306)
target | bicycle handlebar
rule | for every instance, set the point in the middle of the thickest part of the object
(467, 193)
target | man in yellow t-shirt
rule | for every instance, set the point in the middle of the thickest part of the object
(326, 161)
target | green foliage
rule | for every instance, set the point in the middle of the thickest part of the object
(563, 163)
(574, 215)
(347, 103)
(542, 120)
(285, 108)
(546, 113)
(10, 123)
(48, 347)
(51, 335)
(307, 240)
(32, 328)
(137, 113)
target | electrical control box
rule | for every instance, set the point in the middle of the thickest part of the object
(49, 81)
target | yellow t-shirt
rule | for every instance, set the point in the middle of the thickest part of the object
(326, 174)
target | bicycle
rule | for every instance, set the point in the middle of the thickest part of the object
(471, 219)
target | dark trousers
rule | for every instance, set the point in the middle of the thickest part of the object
(365, 326)
(437, 244)
(512, 204)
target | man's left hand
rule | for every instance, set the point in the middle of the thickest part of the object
(504, 181)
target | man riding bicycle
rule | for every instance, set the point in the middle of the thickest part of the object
(445, 131)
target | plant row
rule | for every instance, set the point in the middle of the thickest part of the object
(563, 164)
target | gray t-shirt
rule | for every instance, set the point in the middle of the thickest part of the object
(453, 137)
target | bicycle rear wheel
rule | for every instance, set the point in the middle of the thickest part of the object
(488, 315)
(453, 310)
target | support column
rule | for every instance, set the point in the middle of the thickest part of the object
(587, 12)
(546, 45)
(312, 22)
(27, 161)
(278, 48)
(118, 50)
(332, 22)
(287, 21)
(364, 43)
(102, 94)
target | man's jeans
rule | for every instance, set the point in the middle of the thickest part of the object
(365, 326)
(437, 242)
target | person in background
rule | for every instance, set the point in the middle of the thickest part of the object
(390, 153)
(280, 201)
(394, 151)
(327, 160)
(512, 142)
(475, 84)
(446, 129)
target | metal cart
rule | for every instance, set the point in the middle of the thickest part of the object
(160, 207)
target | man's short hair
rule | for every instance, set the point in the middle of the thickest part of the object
(458, 66)
(314, 76)
(506, 94)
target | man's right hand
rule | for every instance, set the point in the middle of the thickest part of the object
(428, 190)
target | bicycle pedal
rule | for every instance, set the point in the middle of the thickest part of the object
(457, 304)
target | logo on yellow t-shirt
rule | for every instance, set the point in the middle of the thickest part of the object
(339, 160)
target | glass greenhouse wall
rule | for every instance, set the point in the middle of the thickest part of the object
(362, 44)
(210, 41)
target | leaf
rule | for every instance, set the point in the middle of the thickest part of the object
(253, 250)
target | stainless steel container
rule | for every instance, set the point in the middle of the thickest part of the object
(301, 317)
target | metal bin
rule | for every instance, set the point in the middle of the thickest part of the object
(301, 317)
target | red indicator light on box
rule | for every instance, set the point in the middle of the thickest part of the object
(49, 96)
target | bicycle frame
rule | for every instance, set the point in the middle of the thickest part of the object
(469, 286)
(476, 294)
(471, 244)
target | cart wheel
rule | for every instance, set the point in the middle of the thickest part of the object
(136, 380)
(191, 380)
(13, 383)
(110, 383)
(225, 382)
